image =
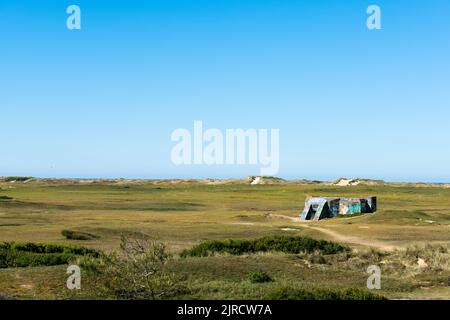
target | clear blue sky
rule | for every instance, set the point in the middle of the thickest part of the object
(103, 101)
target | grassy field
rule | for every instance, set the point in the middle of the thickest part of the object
(183, 214)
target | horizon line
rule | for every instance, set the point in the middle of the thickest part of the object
(3, 177)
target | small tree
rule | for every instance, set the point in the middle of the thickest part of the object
(137, 271)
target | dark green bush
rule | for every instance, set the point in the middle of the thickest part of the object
(286, 244)
(13, 255)
(21, 179)
(47, 248)
(78, 235)
(288, 293)
(259, 277)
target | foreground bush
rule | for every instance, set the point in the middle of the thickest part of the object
(78, 235)
(137, 271)
(286, 244)
(288, 293)
(13, 255)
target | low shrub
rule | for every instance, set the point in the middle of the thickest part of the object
(137, 271)
(47, 248)
(14, 255)
(286, 244)
(259, 277)
(288, 293)
(78, 235)
(20, 179)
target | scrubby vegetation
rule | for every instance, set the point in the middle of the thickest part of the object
(289, 293)
(78, 235)
(409, 262)
(286, 244)
(14, 255)
(137, 271)
(259, 277)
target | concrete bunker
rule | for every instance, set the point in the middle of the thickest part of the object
(318, 208)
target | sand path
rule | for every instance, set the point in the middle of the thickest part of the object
(341, 237)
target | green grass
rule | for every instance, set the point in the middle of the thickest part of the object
(184, 215)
